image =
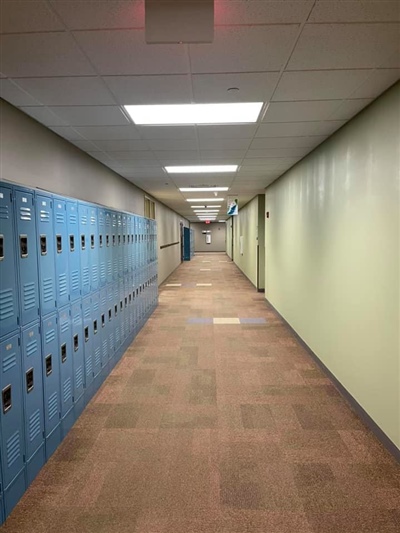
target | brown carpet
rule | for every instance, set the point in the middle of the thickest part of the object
(204, 428)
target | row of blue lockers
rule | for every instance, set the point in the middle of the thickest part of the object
(188, 244)
(72, 247)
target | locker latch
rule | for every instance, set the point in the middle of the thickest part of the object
(1, 247)
(76, 342)
(121, 305)
(71, 243)
(63, 352)
(115, 309)
(29, 380)
(86, 333)
(23, 245)
(49, 365)
(59, 243)
(130, 298)
(43, 245)
(83, 243)
(103, 320)
(109, 315)
(95, 326)
(6, 397)
(129, 238)
(124, 239)
(101, 241)
(113, 240)
(107, 240)
(119, 240)
(92, 241)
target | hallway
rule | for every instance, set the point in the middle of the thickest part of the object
(214, 426)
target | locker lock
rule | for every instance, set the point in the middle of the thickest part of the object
(109, 315)
(49, 365)
(101, 241)
(59, 243)
(6, 398)
(71, 243)
(103, 320)
(29, 380)
(95, 326)
(23, 245)
(107, 240)
(92, 241)
(76, 342)
(63, 352)
(83, 243)
(86, 333)
(1, 247)
(43, 245)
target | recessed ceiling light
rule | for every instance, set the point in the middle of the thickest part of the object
(201, 169)
(204, 199)
(203, 189)
(201, 206)
(232, 113)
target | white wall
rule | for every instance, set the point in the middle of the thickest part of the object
(332, 256)
(218, 236)
(33, 155)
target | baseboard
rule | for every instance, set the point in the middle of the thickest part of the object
(365, 417)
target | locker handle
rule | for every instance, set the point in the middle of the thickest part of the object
(121, 305)
(43, 245)
(72, 243)
(49, 365)
(130, 298)
(29, 380)
(83, 243)
(124, 239)
(6, 398)
(115, 309)
(23, 244)
(129, 238)
(103, 320)
(101, 241)
(86, 333)
(109, 315)
(113, 240)
(63, 352)
(95, 326)
(76, 342)
(1, 247)
(92, 241)
(126, 301)
(119, 240)
(59, 243)
(107, 240)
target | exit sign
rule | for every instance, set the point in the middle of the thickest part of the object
(207, 221)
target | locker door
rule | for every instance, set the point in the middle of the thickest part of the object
(84, 246)
(61, 251)
(96, 333)
(94, 252)
(117, 315)
(108, 247)
(9, 311)
(51, 380)
(32, 387)
(102, 247)
(125, 243)
(121, 310)
(88, 341)
(27, 262)
(111, 319)
(2, 517)
(129, 244)
(126, 308)
(46, 253)
(114, 228)
(66, 363)
(104, 327)
(120, 246)
(78, 350)
(73, 250)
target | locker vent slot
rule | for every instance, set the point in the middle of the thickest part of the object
(76, 342)
(71, 243)
(6, 398)
(86, 333)
(103, 273)
(63, 352)
(6, 304)
(67, 390)
(89, 366)
(64, 326)
(23, 245)
(31, 348)
(109, 268)
(103, 320)
(97, 356)
(92, 241)
(62, 284)
(60, 218)
(95, 274)
(29, 296)
(29, 380)
(49, 365)
(43, 245)
(95, 326)
(34, 425)
(79, 376)
(86, 311)
(48, 290)
(59, 243)
(44, 216)
(73, 218)
(1, 247)
(105, 349)
(52, 405)
(83, 242)
(95, 305)
(85, 276)
(75, 280)
(50, 335)
(13, 447)
(25, 213)
(4, 212)
(9, 361)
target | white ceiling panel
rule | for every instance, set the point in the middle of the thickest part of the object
(44, 115)
(131, 155)
(121, 145)
(287, 142)
(254, 171)
(244, 49)
(13, 94)
(131, 90)
(278, 152)
(100, 156)
(68, 91)
(253, 87)
(201, 181)
(355, 11)
(349, 108)
(319, 85)
(377, 83)
(224, 144)
(68, 133)
(238, 131)
(31, 55)
(125, 52)
(301, 111)
(260, 162)
(86, 146)
(167, 132)
(19, 16)
(91, 115)
(260, 12)
(177, 155)
(346, 46)
(137, 164)
(109, 14)
(222, 154)
(108, 133)
(173, 144)
(292, 129)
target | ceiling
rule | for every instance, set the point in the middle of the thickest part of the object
(72, 64)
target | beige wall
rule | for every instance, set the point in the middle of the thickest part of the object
(218, 236)
(332, 256)
(33, 155)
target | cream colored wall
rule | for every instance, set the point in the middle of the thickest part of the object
(228, 240)
(218, 236)
(33, 155)
(245, 225)
(332, 256)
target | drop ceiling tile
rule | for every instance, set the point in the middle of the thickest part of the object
(244, 49)
(173, 144)
(237, 131)
(19, 16)
(125, 52)
(254, 171)
(135, 90)
(287, 142)
(130, 155)
(13, 94)
(253, 87)
(154, 172)
(300, 111)
(122, 145)
(44, 115)
(68, 91)
(100, 156)
(224, 144)
(201, 180)
(264, 162)
(377, 83)
(86, 146)
(177, 155)
(346, 46)
(142, 164)
(108, 133)
(39, 54)
(167, 132)
(91, 115)
(82, 15)
(319, 85)
(356, 11)
(277, 152)
(68, 133)
(349, 108)
(260, 12)
(291, 129)
(222, 154)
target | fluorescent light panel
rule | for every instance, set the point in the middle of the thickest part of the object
(232, 113)
(203, 206)
(203, 189)
(204, 199)
(201, 169)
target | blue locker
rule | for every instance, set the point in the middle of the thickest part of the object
(102, 247)
(122, 313)
(78, 352)
(114, 227)
(94, 252)
(109, 246)
(104, 329)
(46, 253)
(129, 244)
(85, 246)
(96, 333)
(27, 262)
(9, 311)
(117, 317)
(111, 319)
(32, 388)
(61, 251)
(2, 517)
(73, 250)
(12, 422)
(51, 381)
(125, 243)
(88, 337)
(65, 355)
(120, 246)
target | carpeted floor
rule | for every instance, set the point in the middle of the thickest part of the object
(207, 426)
